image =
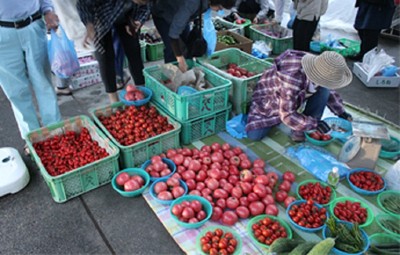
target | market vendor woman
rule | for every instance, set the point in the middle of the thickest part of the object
(298, 81)
(255, 10)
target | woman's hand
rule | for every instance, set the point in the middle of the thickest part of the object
(133, 27)
(89, 37)
(182, 64)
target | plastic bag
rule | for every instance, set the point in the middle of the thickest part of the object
(62, 55)
(392, 176)
(236, 126)
(209, 33)
(316, 161)
(293, 14)
(261, 49)
(374, 61)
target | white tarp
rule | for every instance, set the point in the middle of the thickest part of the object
(340, 16)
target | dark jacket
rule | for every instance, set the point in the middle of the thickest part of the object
(374, 14)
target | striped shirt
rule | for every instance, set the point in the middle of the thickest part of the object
(104, 13)
(281, 92)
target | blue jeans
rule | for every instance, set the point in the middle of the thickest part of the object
(315, 106)
(24, 64)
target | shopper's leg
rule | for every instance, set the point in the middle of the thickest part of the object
(316, 103)
(163, 29)
(303, 32)
(258, 134)
(107, 63)
(34, 44)
(369, 40)
(131, 46)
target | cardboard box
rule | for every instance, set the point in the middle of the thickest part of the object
(88, 74)
(376, 81)
(244, 44)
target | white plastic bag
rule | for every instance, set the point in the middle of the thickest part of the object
(374, 61)
(392, 177)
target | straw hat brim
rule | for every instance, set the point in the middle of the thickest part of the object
(321, 77)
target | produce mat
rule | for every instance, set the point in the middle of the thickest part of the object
(272, 150)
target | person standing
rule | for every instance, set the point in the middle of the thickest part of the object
(372, 16)
(306, 21)
(24, 62)
(126, 17)
(172, 19)
(255, 10)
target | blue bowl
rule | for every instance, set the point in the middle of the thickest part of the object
(363, 191)
(166, 202)
(342, 123)
(131, 171)
(170, 163)
(148, 93)
(298, 202)
(326, 233)
(207, 207)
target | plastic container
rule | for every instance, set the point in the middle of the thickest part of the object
(326, 233)
(317, 142)
(351, 48)
(207, 207)
(188, 107)
(341, 123)
(279, 45)
(165, 202)
(263, 216)
(146, 92)
(171, 166)
(83, 179)
(143, 46)
(239, 245)
(387, 195)
(225, 25)
(298, 202)
(137, 153)
(363, 191)
(390, 154)
(155, 51)
(382, 239)
(131, 172)
(333, 192)
(370, 217)
(242, 89)
(381, 218)
(315, 46)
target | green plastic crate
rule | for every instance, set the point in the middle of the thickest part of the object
(279, 45)
(83, 179)
(352, 48)
(143, 47)
(136, 154)
(155, 51)
(228, 26)
(242, 90)
(185, 107)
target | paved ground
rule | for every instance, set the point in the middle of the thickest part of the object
(101, 221)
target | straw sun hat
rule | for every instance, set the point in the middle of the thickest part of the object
(328, 70)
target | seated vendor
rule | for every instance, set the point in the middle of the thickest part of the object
(256, 10)
(298, 81)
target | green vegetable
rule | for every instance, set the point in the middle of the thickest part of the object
(323, 247)
(347, 239)
(303, 248)
(392, 203)
(227, 39)
(283, 245)
(392, 225)
(385, 249)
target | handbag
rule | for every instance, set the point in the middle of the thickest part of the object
(197, 45)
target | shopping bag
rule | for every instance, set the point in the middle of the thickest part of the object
(236, 126)
(62, 55)
(209, 33)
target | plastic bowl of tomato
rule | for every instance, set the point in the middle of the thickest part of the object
(365, 181)
(265, 229)
(154, 195)
(228, 237)
(318, 191)
(199, 208)
(327, 233)
(315, 137)
(148, 93)
(170, 164)
(144, 181)
(351, 210)
(307, 215)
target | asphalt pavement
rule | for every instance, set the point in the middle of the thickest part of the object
(101, 221)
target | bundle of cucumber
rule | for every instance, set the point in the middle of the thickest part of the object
(227, 39)
(297, 247)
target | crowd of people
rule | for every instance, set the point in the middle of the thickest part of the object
(297, 80)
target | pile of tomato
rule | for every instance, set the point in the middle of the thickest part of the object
(134, 124)
(351, 211)
(218, 242)
(235, 70)
(367, 180)
(63, 153)
(315, 191)
(308, 215)
(267, 230)
(189, 211)
(316, 135)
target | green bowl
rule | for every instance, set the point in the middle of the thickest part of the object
(225, 229)
(380, 218)
(260, 217)
(333, 192)
(383, 196)
(131, 171)
(317, 142)
(370, 217)
(390, 154)
(204, 202)
(382, 238)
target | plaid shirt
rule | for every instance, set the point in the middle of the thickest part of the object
(103, 14)
(281, 92)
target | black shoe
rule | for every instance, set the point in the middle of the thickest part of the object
(63, 91)
(356, 58)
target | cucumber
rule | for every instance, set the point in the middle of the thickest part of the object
(283, 245)
(303, 248)
(323, 247)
